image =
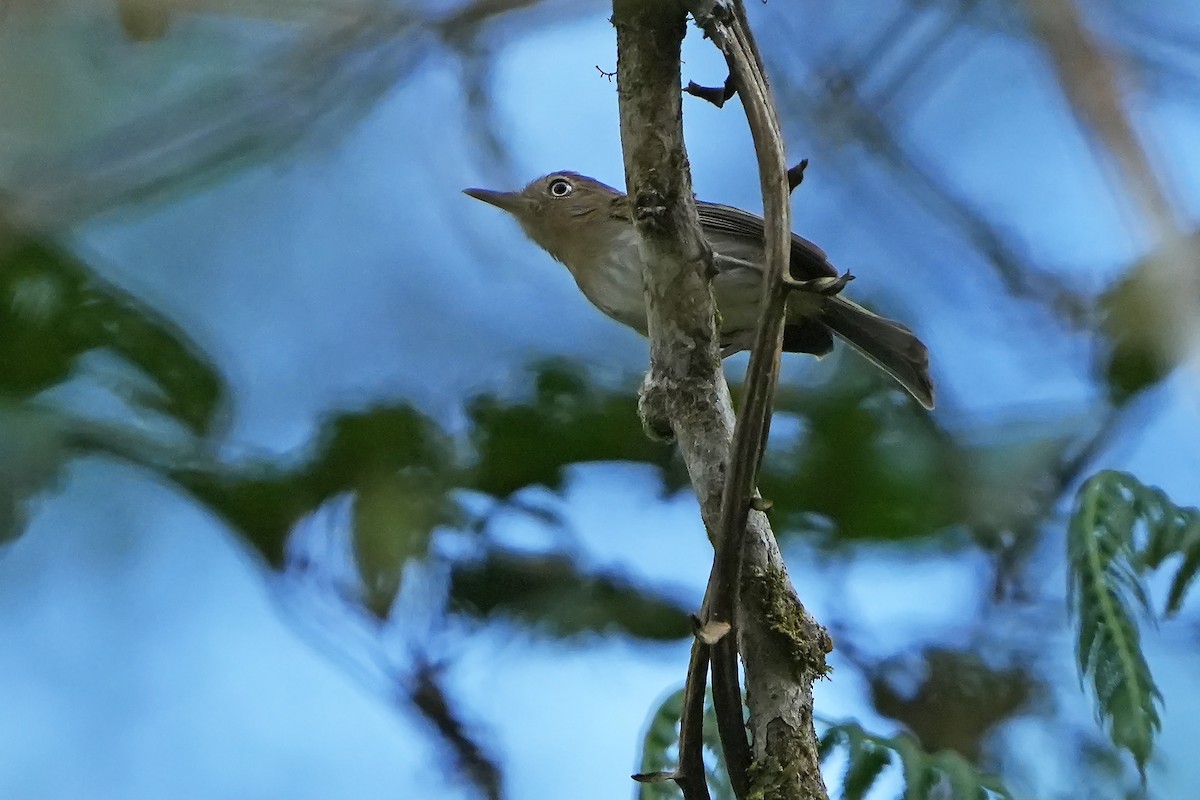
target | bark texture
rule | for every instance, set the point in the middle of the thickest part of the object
(685, 393)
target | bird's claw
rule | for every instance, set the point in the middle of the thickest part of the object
(828, 286)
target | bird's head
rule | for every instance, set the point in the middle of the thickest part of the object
(571, 216)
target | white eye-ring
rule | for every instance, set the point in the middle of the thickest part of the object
(560, 187)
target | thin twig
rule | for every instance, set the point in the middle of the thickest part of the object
(691, 778)
(430, 699)
(728, 29)
(690, 774)
(730, 34)
(753, 426)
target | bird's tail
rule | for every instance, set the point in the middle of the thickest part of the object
(889, 345)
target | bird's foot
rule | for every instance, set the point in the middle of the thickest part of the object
(824, 286)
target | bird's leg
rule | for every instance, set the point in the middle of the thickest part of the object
(736, 343)
(828, 286)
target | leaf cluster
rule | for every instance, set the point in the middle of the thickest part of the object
(945, 774)
(57, 317)
(1120, 530)
(660, 751)
(858, 460)
(405, 476)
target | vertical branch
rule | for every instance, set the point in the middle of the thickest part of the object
(762, 374)
(685, 394)
(684, 357)
(754, 422)
(787, 763)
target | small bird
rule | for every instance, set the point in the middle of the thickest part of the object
(588, 227)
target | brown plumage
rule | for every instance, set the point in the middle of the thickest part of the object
(588, 227)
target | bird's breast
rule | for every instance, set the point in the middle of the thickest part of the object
(611, 278)
(613, 282)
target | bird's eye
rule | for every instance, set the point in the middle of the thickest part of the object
(560, 187)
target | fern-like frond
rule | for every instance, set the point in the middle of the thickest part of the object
(942, 775)
(865, 758)
(1170, 530)
(1103, 567)
(660, 751)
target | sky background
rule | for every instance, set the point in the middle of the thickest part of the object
(147, 652)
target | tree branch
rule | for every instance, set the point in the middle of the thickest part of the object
(729, 30)
(685, 393)
(753, 426)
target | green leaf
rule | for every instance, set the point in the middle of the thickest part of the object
(875, 468)
(943, 776)
(1170, 530)
(867, 762)
(1103, 585)
(569, 420)
(395, 451)
(551, 593)
(660, 751)
(53, 309)
(394, 518)
(919, 778)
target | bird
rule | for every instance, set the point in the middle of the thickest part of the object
(588, 226)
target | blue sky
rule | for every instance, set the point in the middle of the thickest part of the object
(146, 653)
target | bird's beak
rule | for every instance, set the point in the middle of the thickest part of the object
(512, 202)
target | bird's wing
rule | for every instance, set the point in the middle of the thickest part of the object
(726, 222)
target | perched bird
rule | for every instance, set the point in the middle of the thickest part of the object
(588, 226)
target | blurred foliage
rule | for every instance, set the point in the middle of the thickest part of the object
(945, 775)
(1141, 353)
(395, 458)
(876, 468)
(959, 701)
(403, 472)
(55, 310)
(1119, 530)
(553, 594)
(569, 420)
(660, 751)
